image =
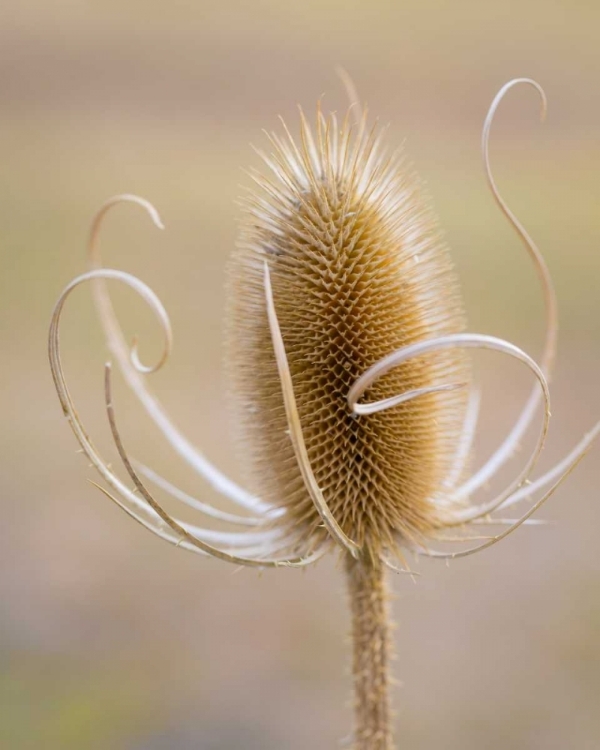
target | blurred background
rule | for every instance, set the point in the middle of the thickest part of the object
(110, 637)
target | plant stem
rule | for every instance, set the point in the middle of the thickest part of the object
(370, 658)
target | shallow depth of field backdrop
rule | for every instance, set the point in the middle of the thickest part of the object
(110, 638)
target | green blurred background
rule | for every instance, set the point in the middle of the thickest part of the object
(110, 638)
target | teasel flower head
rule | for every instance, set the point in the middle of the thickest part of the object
(347, 249)
(354, 407)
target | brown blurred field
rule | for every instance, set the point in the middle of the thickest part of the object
(110, 638)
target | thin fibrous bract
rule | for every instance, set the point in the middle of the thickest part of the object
(354, 404)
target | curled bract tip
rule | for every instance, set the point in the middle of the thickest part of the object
(150, 209)
(375, 407)
(500, 96)
(148, 369)
(145, 293)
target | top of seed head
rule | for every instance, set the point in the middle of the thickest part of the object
(357, 270)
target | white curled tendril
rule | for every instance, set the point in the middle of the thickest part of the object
(452, 341)
(519, 488)
(133, 374)
(510, 443)
(145, 509)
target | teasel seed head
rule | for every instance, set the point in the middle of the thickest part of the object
(340, 290)
(357, 270)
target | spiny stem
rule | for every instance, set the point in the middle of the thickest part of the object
(371, 654)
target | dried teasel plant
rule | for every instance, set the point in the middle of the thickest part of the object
(339, 288)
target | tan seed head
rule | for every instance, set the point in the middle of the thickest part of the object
(339, 290)
(358, 270)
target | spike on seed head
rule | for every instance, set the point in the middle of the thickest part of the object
(357, 270)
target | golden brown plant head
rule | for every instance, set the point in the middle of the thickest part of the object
(339, 287)
(358, 270)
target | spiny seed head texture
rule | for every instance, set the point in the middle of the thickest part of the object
(357, 270)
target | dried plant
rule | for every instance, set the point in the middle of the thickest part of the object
(340, 286)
